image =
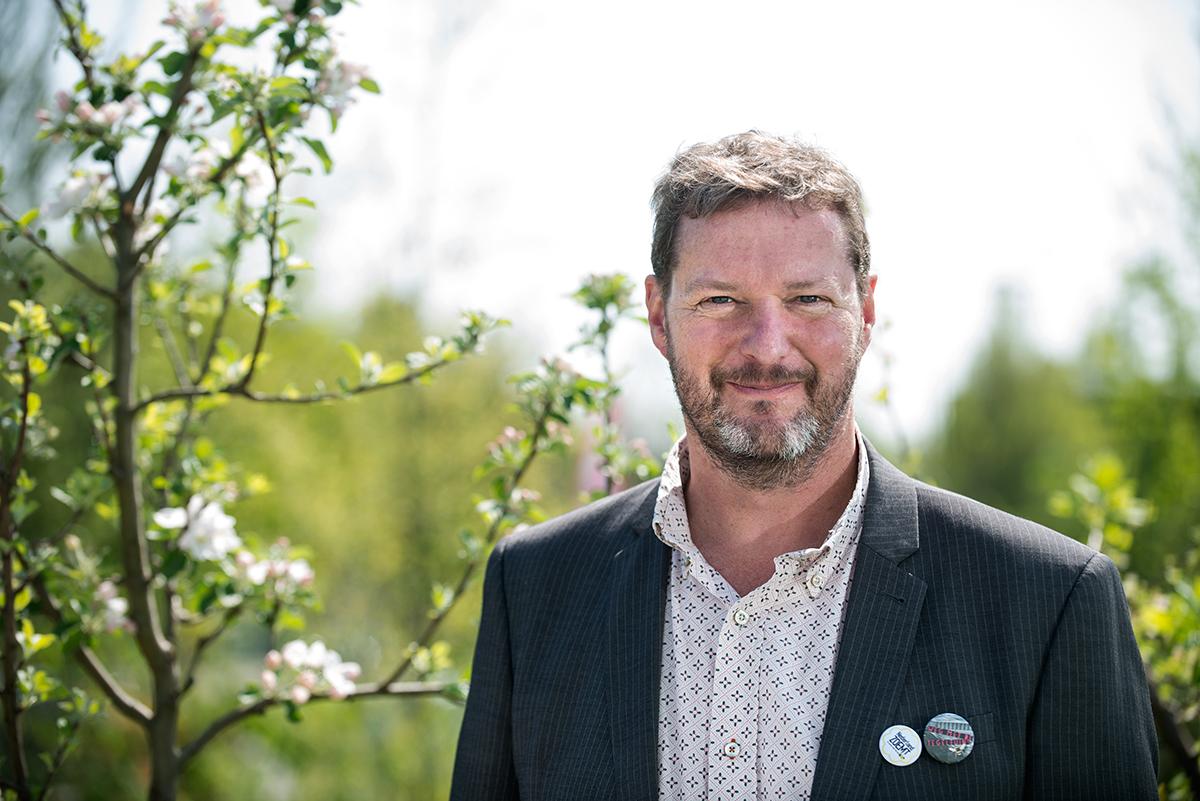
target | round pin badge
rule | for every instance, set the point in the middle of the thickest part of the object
(949, 738)
(900, 745)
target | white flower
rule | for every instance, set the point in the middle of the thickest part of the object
(160, 210)
(341, 677)
(114, 607)
(273, 660)
(337, 79)
(84, 189)
(269, 680)
(307, 679)
(196, 167)
(208, 532)
(300, 694)
(197, 20)
(257, 177)
(300, 572)
(295, 654)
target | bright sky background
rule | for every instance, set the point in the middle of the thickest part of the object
(1028, 143)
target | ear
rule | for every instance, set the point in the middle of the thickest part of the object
(656, 313)
(868, 311)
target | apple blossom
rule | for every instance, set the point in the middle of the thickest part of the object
(273, 660)
(341, 677)
(300, 694)
(295, 654)
(269, 680)
(196, 21)
(84, 189)
(114, 607)
(194, 168)
(337, 79)
(257, 177)
(208, 532)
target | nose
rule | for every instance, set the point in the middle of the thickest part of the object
(767, 338)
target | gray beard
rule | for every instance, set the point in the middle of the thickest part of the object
(753, 457)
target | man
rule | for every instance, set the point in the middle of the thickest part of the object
(785, 615)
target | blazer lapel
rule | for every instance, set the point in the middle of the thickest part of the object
(877, 638)
(635, 626)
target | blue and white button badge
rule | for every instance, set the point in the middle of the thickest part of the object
(900, 745)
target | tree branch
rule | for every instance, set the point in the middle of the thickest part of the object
(165, 130)
(172, 349)
(126, 704)
(74, 43)
(43, 246)
(239, 391)
(272, 250)
(259, 707)
(435, 622)
(203, 643)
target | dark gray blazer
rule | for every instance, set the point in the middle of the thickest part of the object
(954, 607)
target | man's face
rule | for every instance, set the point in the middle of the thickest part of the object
(763, 328)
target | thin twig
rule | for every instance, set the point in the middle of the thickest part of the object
(125, 703)
(435, 621)
(44, 246)
(60, 756)
(142, 257)
(272, 253)
(236, 390)
(259, 707)
(203, 643)
(165, 130)
(172, 348)
(75, 44)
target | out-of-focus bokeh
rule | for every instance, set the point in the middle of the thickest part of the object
(1033, 185)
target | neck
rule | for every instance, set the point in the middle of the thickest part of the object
(727, 517)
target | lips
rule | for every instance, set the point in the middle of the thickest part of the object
(764, 390)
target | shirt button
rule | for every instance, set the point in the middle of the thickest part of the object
(732, 749)
(816, 581)
(741, 617)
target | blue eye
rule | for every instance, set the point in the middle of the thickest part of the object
(718, 300)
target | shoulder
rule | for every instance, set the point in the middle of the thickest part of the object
(952, 521)
(599, 529)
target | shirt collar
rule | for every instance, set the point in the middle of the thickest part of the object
(671, 523)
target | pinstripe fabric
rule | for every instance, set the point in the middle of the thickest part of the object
(954, 607)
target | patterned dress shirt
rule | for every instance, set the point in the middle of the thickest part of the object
(745, 681)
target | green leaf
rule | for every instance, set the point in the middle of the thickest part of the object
(369, 85)
(172, 63)
(303, 201)
(175, 562)
(27, 218)
(353, 352)
(318, 149)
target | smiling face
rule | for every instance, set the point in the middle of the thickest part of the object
(763, 327)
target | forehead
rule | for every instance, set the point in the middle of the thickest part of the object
(763, 241)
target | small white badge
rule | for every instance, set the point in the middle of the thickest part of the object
(900, 745)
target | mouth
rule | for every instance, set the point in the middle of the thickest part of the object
(764, 391)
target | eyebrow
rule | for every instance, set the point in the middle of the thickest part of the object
(794, 286)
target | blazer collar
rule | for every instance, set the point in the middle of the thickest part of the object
(878, 632)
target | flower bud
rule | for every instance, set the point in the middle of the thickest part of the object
(273, 660)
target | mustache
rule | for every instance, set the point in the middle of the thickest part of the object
(760, 375)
